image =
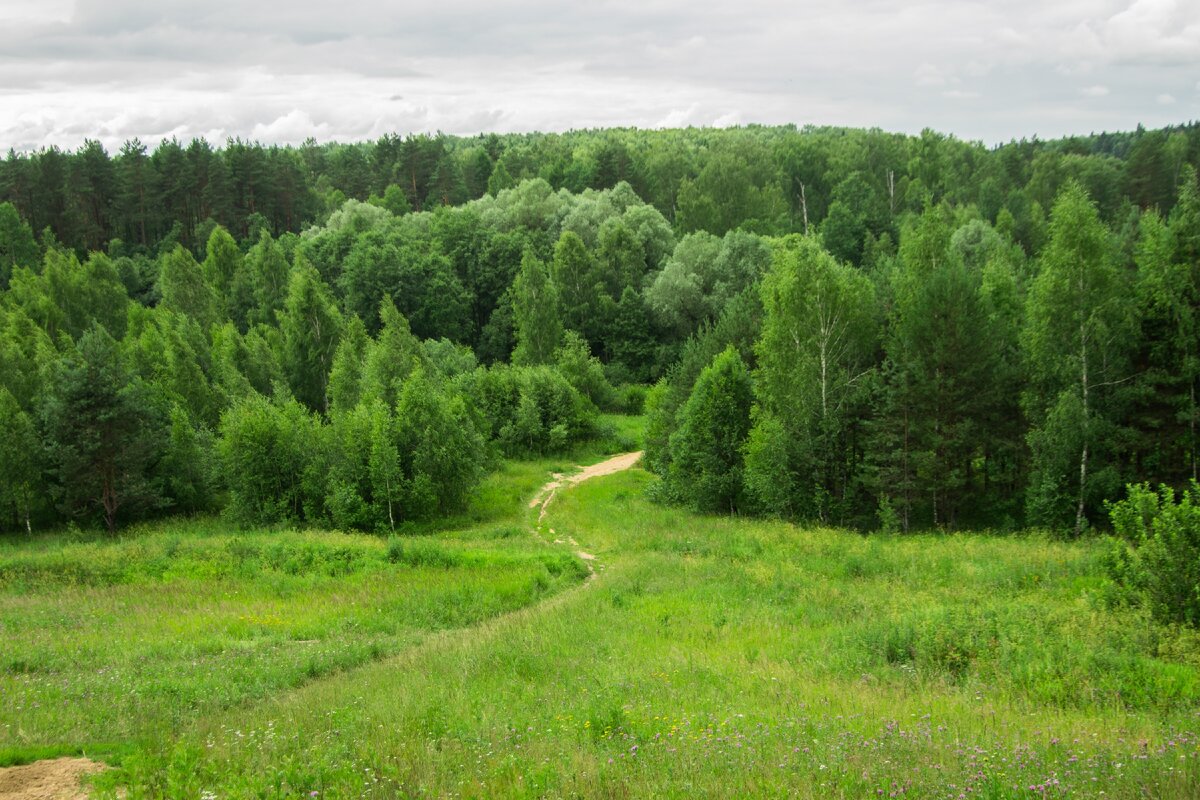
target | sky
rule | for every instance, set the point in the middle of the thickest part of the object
(280, 71)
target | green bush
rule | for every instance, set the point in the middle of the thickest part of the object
(1156, 561)
(273, 454)
(528, 410)
(706, 451)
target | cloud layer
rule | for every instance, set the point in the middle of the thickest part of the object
(353, 69)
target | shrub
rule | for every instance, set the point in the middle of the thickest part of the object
(273, 454)
(528, 410)
(1156, 561)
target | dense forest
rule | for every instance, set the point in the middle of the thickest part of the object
(847, 326)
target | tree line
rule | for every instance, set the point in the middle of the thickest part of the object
(958, 383)
(924, 332)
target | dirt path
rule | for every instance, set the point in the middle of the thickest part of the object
(547, 493)
(56, 779)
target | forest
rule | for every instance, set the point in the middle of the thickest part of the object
(849, 327)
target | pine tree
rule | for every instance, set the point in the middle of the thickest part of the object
(103, 433)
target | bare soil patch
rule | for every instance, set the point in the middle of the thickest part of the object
(52, 779)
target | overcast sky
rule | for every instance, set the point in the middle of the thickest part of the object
(284, 70)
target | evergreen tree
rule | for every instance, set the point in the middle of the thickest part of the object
(103, 433)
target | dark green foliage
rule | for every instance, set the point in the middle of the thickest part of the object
(104, 433)
(942, 295)
(706, 451)
(18, 248)
(1156, 561)
(20, 464)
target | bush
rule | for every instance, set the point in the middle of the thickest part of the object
(706, 451)
(528, 410)
(1156, 561)
(273, 454)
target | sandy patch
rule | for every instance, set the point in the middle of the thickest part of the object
(52, 779)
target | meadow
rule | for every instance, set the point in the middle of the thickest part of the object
(109, 642)
(708, 656)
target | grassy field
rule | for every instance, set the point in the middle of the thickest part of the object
(108, 643)
(709, 657)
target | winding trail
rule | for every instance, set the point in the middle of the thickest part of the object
(547, 493)
(59, 779)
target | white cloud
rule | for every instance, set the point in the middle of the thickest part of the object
(280, 71)
(1165, 99)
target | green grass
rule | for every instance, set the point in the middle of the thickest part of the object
(714, 657)
(111, 643)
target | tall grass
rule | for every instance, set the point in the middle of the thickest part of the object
(717, 657)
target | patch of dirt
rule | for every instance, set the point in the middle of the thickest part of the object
(546, 494)
(52, 779)
(614, 464)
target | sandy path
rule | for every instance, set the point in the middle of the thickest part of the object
(548, 492)
(56, 779)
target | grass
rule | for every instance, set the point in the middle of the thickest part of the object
(714, 657)
(709, 657)
(109, 644)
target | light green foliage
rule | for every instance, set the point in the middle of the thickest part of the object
(584, 371)
(170, 352)
(131, 640)
(527, 410)
(1158, 561)
(439, 446)
(184, 290)
(222, 262)
(536, 316)
(272, 455)
(682, 670)
(814, 357)
(311, 326)
(390, 358)
(68, 296)
(1076, 337)
(448, 358)
(26, 351)
(740, 325)
(706, 451)
(346, 372)
(573, 272)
